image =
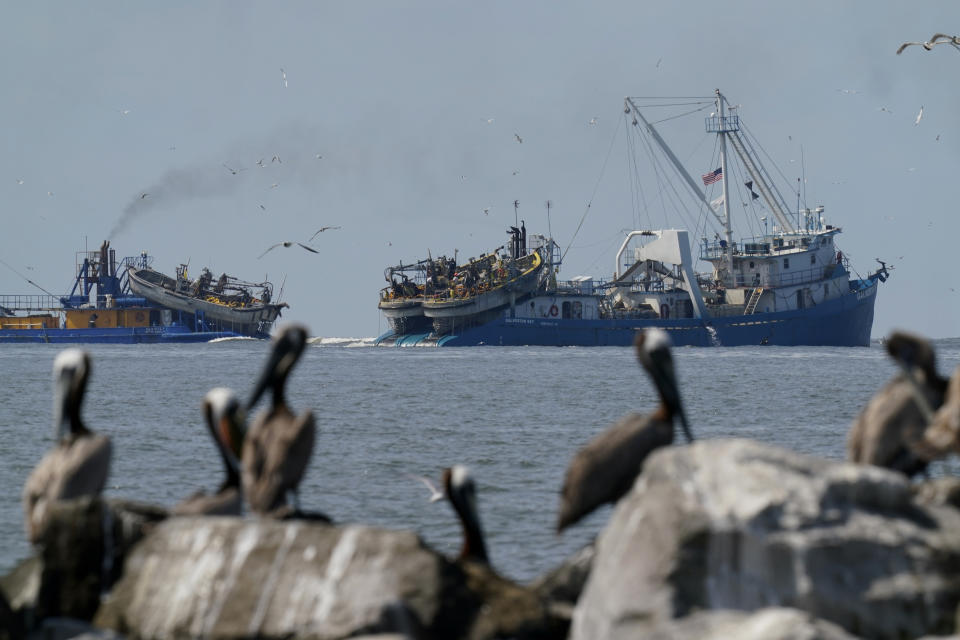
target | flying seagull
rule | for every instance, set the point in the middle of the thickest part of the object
(260, 163)
(233, 171)
(937, 38)
(276, 159)
(321, 230)
(919, 115)
(435, 494)
(287, 245)
(592, 121)
(283, 74)
(144, 195)
(519, 139)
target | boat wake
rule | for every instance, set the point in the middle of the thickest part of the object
(320, 341)
(233, 339)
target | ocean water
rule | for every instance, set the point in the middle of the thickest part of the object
(513, 415)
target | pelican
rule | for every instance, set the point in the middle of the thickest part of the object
(287, 244)
(462, 494)
(888, 431)
(224, 417)
(937, 38)
(278, 445)
(80, 461)
(606, 467)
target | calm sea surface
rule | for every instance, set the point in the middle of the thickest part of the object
(514, 415)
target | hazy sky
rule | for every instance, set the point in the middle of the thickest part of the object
(414, 107)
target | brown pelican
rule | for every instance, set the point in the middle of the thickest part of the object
(507, 610)
(277, 447)
(888, 431)
(462, 494)
(606, 467)
(80, 461)
(224, 417)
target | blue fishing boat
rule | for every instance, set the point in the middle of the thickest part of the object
(127, 302)
(789, 284)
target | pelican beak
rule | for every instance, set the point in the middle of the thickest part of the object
(657, 360)
(267, 376)
(670, 391)
(287, 348)
(61, 403)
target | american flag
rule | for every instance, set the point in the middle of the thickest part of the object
(713, 176)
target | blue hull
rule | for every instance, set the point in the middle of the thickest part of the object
(120, 335)
(842, 322)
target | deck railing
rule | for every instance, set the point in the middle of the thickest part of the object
(18, 302)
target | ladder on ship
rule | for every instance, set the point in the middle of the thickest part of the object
(752, 302)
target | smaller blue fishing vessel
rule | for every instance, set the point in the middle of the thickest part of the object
(789, 284)
(127, 302)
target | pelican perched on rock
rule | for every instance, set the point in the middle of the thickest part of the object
(224, 417)
(606, 467)
(278, 446)
(508, 610)
(888, 431)
(462, 494)
(79, 463)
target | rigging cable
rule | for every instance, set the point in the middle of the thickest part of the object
(592, 195)
(27, 279)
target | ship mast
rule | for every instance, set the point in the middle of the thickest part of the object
(722, 130)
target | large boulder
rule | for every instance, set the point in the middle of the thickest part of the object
(733, 524)
(233, 578)
(79, 556)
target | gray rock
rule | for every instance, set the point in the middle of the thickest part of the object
(724, 624)
(561, 587)
(733, 524)
(230, 578)
(82, 552)
(943, 491)
(21, 587)
(71, 629)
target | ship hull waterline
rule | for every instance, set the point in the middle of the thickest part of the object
(844, 321)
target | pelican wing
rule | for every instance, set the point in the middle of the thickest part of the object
(888, 430)
(70, 470)
(276, 452)
(942, 437)
(606, 467)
